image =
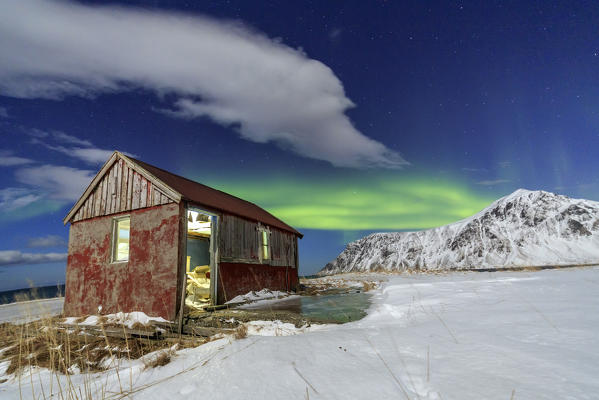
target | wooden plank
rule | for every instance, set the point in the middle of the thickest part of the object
(149, 202)
(156, 197)
(84, 209)
(98, 199)
(109, 191)
(103, 199)
(136, 191)
(113, 177)
(117, 189)
(91, 201)
(129, 188)
(123, 194)
(143, 199)
(204, 331)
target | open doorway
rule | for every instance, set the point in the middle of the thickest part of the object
(199, 271)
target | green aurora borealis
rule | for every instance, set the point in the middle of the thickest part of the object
(364, 201)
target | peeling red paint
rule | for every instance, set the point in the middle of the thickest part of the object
(147, 282)
(237, 278)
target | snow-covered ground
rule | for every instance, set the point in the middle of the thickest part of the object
(30, 310)
(520, 335)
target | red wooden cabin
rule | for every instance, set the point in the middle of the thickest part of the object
(144, 239)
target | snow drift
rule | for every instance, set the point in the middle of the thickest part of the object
(524, 229)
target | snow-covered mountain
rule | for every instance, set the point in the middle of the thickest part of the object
(526, 228)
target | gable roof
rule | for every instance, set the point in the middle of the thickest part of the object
(179, 188)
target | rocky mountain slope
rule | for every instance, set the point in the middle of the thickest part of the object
(525, 228)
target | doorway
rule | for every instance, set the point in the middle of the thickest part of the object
(199, 270)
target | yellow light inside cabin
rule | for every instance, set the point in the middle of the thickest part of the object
(265, 245)
(122, 229)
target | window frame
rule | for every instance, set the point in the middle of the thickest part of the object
(115, 239)
(264, 231)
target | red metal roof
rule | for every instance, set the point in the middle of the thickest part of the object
(199, 194)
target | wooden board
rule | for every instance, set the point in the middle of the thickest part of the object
(121, 189)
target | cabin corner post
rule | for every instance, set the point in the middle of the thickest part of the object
(182, 262)
(214, 260)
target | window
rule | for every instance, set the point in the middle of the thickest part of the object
(265, 255)
(120, 239)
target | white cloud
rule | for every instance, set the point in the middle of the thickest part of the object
(60, 183)
(46, 241)
(7, 159)
(469, 169)
(88, 153)
(493, 182)
(505, 164)
(91, 155)
(220, 70)
(3, 112)
(14, 198)
(36, 133)
(63, 137)
(15, 257)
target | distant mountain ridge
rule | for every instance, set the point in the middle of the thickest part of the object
(524, 229)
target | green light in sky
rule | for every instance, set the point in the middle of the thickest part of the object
(360, 201)
(31, 210)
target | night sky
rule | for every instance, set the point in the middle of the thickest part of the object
(340, 117)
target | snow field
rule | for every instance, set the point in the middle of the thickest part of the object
(530, 335)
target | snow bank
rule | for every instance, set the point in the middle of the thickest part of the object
(278, 328)
(27, 311)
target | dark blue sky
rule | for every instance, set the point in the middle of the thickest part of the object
(341, 118)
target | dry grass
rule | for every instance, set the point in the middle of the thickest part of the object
(160, 360)
(44, 344)
(369, 285)
(241, 332)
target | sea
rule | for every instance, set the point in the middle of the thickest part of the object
(35, 293)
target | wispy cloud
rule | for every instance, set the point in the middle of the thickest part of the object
(90, 155)
(63, 137)
(467, 169)
(493, 182)
(14, 198)
(3, 112)
(221, 70)
(69, 145)
(505, 164)
(7, 159)
(57, 182)
(47, 241)
(15, 257)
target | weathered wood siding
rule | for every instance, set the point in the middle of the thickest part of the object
(240, 242)
(121, 189)
(283, 246)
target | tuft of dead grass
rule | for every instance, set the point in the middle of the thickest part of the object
(241, 331)
(160, 360)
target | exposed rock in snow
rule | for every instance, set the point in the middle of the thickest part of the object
(526, 228)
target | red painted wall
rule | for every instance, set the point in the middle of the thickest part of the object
(236, 278)
(147, 282)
